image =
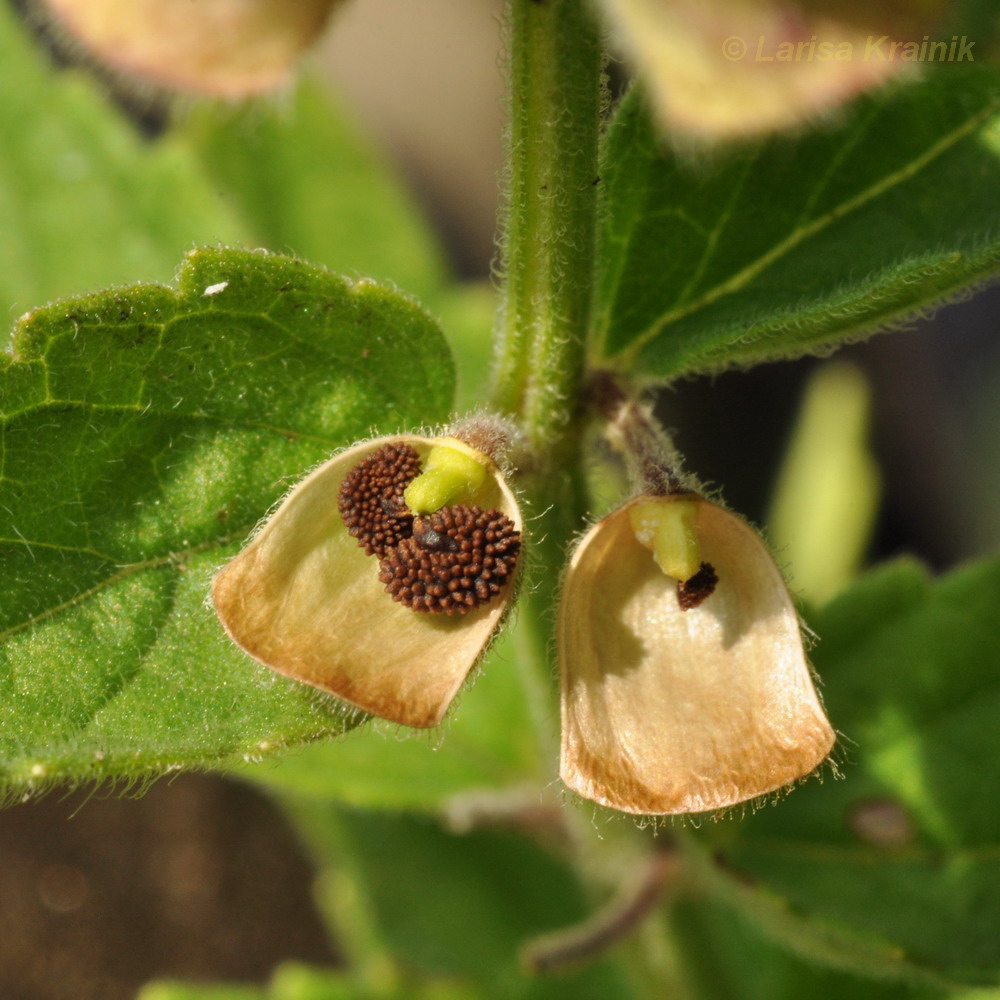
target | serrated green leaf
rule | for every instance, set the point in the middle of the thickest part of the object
(487, 744)
(306, 182)
(800, 242)
(86, 202)
(144, 432)
(894, 871)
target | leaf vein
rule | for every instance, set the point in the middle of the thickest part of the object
(55, 546)
(176, 559)
(803, 233)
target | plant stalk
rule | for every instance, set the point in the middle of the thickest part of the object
(556, 94)
(555, 80)
(548, 261)
(556, 97)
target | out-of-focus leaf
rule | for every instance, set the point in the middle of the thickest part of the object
(200, 991)
(827, 493)
(307, 183)
(85, 201)
(296, 981)
(726, 958)
(894, 871)
(487, 744)
(460, 906)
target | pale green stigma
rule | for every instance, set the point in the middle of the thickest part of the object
(667, 528)
(452, 474)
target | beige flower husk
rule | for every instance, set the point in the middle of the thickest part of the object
(305, 600)
(227, 48)
(667, 711)
(712, 69)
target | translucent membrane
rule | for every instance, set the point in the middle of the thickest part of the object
(304, 599)
(672, 711)
(229, 48)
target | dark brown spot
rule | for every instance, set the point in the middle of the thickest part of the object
(371, 498)
(457, 559)
(690, 593)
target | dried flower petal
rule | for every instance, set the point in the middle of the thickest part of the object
(674, 709)
(719, 69)
(304, 599)
(229, 48)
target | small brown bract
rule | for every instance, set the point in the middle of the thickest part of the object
(371, 498)
(458, 558)
(690, 593)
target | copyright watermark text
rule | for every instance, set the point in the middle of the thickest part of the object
(875, 48)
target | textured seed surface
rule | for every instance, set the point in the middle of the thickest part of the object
(690, 593)
(371, 498)
(457, 559)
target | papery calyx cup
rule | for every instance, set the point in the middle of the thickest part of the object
(383, 575)
(224, 48)
(685, 686)
(731, 69)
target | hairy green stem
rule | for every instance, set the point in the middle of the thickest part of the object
(556, 94)
(556, 98)
(548, 233)
(555, 102)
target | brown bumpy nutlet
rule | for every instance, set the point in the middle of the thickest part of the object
(371, 498)
(690, 593)
(458, 558)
